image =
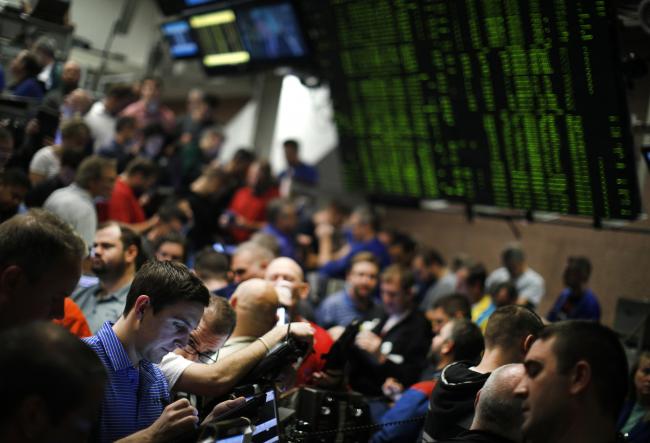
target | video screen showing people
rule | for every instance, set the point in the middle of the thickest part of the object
(271, 32)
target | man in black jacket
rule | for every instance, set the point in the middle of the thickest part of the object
(498, 415)
(510, 332)
(395, 344)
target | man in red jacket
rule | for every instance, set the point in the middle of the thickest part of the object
(124, 205)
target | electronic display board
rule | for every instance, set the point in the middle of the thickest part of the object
(509, 103)
(180, 41)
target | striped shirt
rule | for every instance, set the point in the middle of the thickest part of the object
(134, 397)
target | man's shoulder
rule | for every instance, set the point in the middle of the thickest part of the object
(334, 299)
(533, 277)
(85, 287)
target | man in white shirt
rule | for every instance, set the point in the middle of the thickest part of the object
(102, 116)
(74, 203)
(530, 285)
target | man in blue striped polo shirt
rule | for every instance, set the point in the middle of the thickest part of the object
(164, 304)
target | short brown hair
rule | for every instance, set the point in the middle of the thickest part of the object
(364, 257)
(403, 274)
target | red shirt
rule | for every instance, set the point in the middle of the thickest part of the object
(73, 319)
(124, 206)
(251, 207)
(315, 361)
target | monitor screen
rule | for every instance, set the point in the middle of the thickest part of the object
(219, 39)
(178, 36)
(267, 428)
(271, 32)
(513, 104)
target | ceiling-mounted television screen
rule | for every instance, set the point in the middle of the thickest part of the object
(271, 32)
(180, 40)
(248, 36)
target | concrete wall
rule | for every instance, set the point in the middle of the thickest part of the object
(94, 19)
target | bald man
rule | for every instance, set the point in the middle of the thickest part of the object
(289, 281)
(250, 261)
(498, 417)
(256, 303)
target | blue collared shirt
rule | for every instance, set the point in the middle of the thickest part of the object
(339, 309)
(134, 397)
(337, 268)
(99, 309)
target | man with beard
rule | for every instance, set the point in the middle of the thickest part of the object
(114, 261)
(124, 206)
(355, 300)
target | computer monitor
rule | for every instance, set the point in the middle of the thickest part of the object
(271, 32)
(179, 38)
(267, 425)
(218, 37)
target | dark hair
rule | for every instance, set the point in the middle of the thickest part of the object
(266, 180)
(477, 274)
(128, 238)
(38, 230)
(125, 122)
(404, 240)
(468, 340)
(166, 283)
(209, 263)
(431, 256)
(142, 166)
(72, 158)
(511, 290)
(276, 208)
(291, 143)
(211, 100)
(453, 304)
(509, 325)
(632, 394)
(513, 254)
(44, 360)
(244, 155)
(154, 78)
(405, 276)
(15, 177)
(581, 266)
(120, 92)
(73, 128)
(30, 62)
(92, 168)
(169, 212)
(172, 237)
(599, 346)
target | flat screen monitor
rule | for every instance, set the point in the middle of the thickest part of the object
(219, 39)
(271, 32)
(248, 36)
(267, 426)
(179, 38)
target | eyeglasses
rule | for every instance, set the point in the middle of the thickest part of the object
(239, 271)
(203, 356)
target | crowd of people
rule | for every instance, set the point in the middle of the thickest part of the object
(176, 271)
